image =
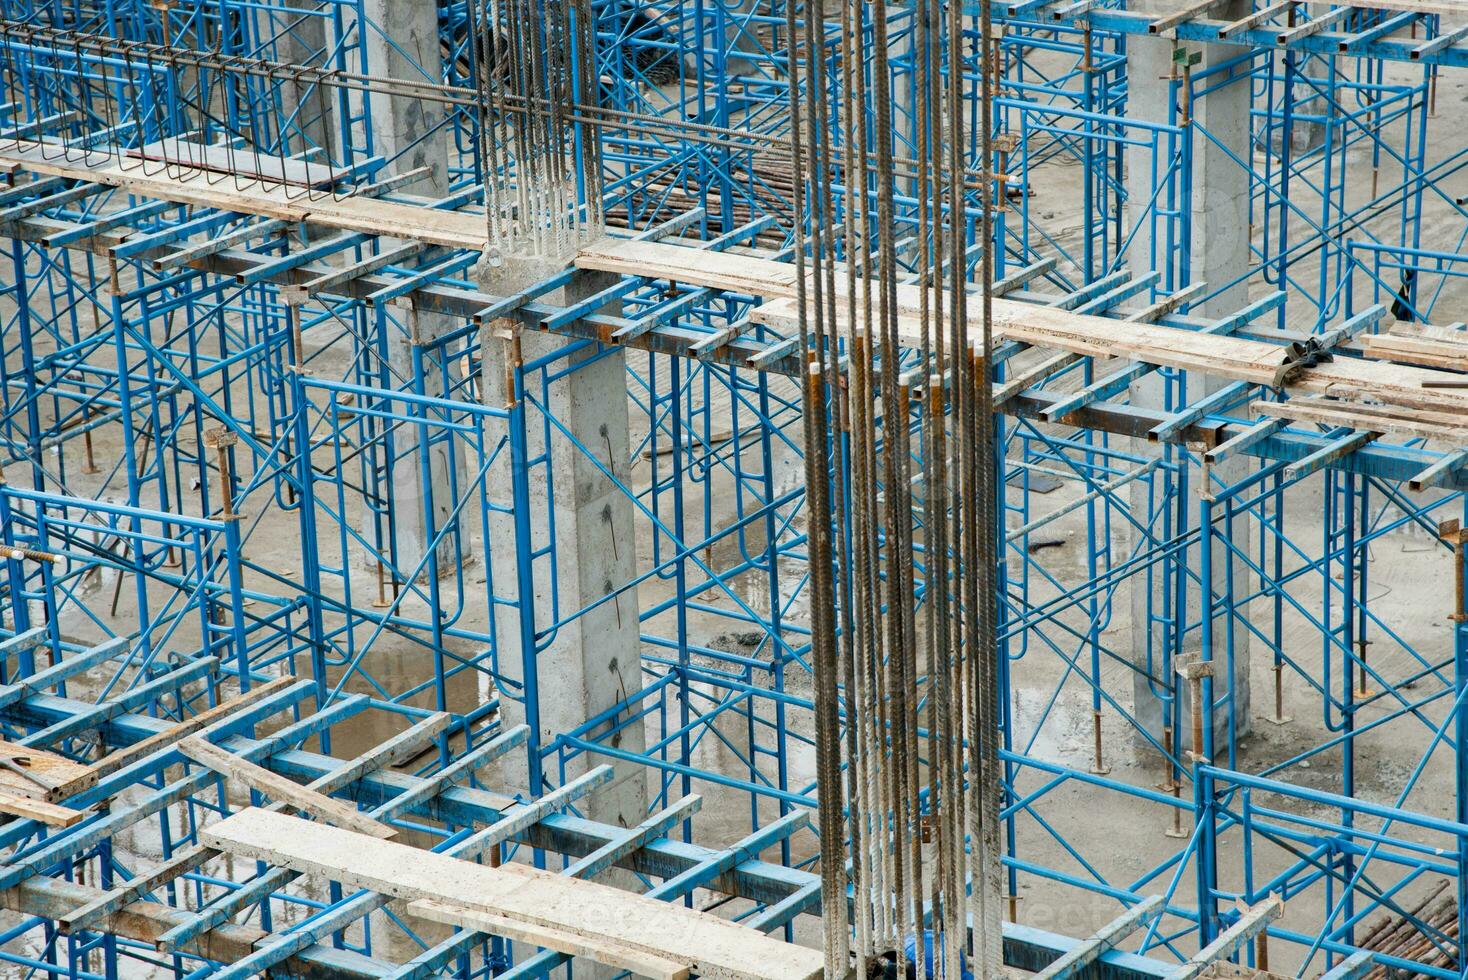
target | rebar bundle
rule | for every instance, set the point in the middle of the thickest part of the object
(1426, 933)
(905, 680)
(536, 201)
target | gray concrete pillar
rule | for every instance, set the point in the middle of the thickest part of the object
(295, 32)
(902, 57)
(417, 514)
(741, 43)
(404, 44)
(1220, 242)
(1219, 255)
(594, 661)
(410, 134)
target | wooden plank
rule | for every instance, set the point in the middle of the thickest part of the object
(1077, 335)
(1369, 416)
(727, 271)
(1372, 418)
(587, 866)
(1434, 331)
(29, 808)
(713, 947)
(1452, 8)
(1234, 358)
(1394, 384)
(186, 185)
(128, 754)
(613, 954)
(1425, 351)
(53, 770)
(282, 790)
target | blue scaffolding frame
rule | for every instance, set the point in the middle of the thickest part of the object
(117, 321)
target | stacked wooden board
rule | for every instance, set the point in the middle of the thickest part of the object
(1352, 380)
(1427, 346)
(33, 783)
(1381, 419)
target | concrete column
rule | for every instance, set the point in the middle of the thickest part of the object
(593, 662)
(297, 34)
(410, 134)
(1312, 77)
(1219, 255)
(1220, 243)
(741, 48)
(902, 51)
(415, 518)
